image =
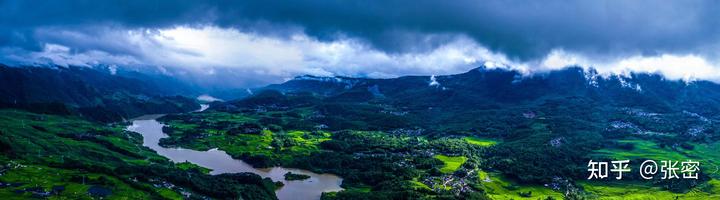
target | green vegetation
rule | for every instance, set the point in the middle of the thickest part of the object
(541, 155)
(242, 137)
(417, 185)
(643, 149)
(480, 141)
(498, 187)
(75, 184)
(190, 166)
(635, 190)
(62, 157)
(389, 165)
(439, 144)
(707, 154)
(294, 177)
(451, 164)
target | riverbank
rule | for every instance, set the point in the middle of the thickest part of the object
(220, 162)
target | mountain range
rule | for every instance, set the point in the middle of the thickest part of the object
(94, 92)
(482, 86)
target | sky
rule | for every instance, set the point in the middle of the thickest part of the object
(251, 43)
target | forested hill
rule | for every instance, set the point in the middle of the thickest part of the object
(543, 128)
(97, 93)
(488, 101)
(482, 87)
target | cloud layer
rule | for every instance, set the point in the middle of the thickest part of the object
(268, 41)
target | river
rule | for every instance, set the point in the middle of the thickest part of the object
(220, 162)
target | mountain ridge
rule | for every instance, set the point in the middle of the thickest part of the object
(91, 92)
(506, 86)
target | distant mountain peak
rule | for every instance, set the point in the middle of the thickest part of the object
(346, 81)
(318, 78)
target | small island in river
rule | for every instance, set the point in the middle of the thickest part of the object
(289, 176)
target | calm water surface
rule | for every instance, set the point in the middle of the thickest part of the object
(220, 162)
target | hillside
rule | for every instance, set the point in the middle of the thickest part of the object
(91, 92)
(60, 157)
(488, 131)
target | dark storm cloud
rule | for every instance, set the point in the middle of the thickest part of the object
(20, 20)
(520, 29)
(526, 29)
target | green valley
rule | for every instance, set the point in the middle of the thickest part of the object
(64, 157)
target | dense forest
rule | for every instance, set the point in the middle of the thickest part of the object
(482, 134)
(405, 138)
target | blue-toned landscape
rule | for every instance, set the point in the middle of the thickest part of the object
(359, 100)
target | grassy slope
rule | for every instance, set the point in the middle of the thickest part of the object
(451, 163)
(480, 141)
(37, 148)
(706, 154)
(638, 191)
(47, 177)
(191, 166)
(643, 149)
(498, 187)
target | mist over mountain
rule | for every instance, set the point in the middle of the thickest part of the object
(350, 100)
(102, 93)
(566, 115)
(483, 86)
